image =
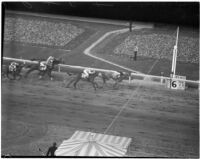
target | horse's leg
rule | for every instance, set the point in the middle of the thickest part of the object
(104, 80)
(70, 83)
(40, 74)
(95, 85)
(76, 81)
(49, 74)
(29, 71)
(119, 81)
(7, 74)
(17, 74)
(115, 84)
(14, 76)
(20, 76)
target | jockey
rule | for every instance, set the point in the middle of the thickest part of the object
(43, 65)
(13, 66)
(87, 72)
(14, 63)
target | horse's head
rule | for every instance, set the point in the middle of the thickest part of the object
(58, 61)
(125, 75)
(51, 61)
(100, 74)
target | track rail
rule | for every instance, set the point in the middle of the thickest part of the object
(63, 66)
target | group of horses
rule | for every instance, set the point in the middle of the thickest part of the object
(13, 71)
(105, 76)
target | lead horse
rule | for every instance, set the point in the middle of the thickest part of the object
(117, 77)
(44, 67)
(90, 78)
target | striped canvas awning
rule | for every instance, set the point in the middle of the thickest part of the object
(122, 142)
(89, 144)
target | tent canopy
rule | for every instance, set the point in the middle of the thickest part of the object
(93, 144)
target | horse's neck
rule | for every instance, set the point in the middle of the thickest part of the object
(52, 65)
(18, 70)
(93, 75)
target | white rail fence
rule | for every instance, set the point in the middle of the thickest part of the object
(63, 67)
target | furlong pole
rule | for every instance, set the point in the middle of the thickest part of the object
(175, 54)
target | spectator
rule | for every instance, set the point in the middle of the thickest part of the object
(160, 45)
(135, 52)
(41, 32)
(51, 150)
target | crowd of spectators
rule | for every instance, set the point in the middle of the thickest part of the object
(40, 31)
(160, 46)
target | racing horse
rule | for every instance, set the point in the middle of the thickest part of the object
(117, 77)
(81, 76)
(14, 69)
(44, 67)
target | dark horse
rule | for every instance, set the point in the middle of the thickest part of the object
(115, 76)
(90, 79)
(14, 69)
(44, 67)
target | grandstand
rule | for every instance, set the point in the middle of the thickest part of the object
(159, 44)
(40, 32)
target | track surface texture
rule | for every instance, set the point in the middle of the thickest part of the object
(161, 122)
(35, 113)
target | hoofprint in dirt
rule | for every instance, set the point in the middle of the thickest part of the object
(161, 122)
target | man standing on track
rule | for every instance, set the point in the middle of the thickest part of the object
(135, 52)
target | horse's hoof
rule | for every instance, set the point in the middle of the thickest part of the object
(51, 79)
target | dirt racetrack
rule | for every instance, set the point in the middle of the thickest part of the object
(161, 122)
